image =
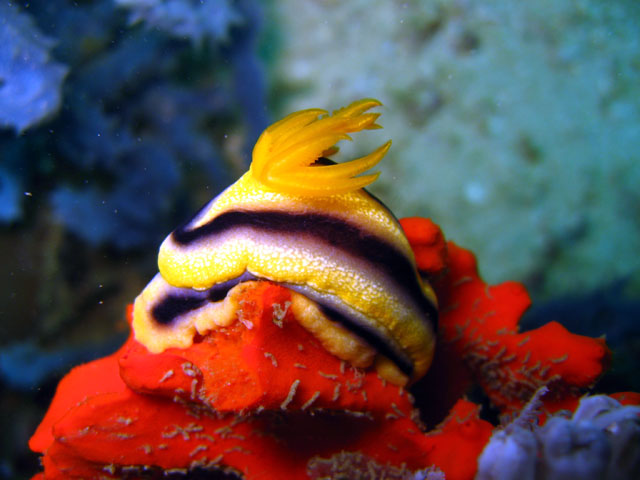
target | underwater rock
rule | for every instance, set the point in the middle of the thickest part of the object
(524, 118)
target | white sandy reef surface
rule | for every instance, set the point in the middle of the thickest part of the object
(515, 125)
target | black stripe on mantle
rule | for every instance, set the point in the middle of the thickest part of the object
(329, 230)
(184, 300)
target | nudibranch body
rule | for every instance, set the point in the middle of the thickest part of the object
(297, 219)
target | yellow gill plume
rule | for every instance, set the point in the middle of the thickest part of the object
(285, 152)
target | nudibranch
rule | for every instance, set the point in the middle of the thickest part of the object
(299, 219)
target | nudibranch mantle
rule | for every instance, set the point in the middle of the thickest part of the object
(296, 220)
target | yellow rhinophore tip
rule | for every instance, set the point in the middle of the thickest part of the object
(284, 154)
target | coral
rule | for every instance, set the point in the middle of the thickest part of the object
(273, 389)
(136, 99)
(132, 206)
(600, 440)
(479, 327)
(357, 465)
(428, 244)
(613, 309)
(30, 81)
(190, 19)
(511, 366)
(262, 395)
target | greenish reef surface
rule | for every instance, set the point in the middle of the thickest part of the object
(515, 125)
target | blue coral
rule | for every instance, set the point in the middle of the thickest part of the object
(139, 102)
(30, 81)
(188, 19)
(127, 215)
